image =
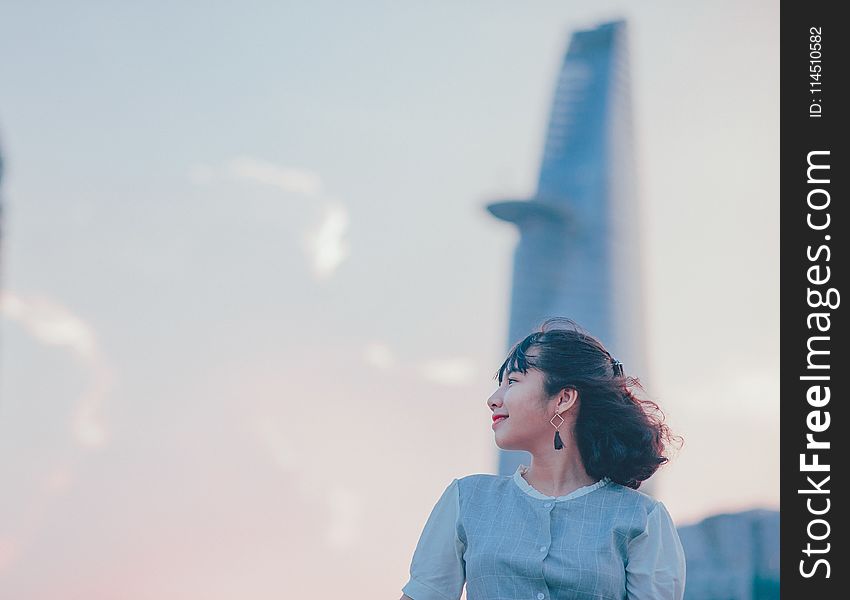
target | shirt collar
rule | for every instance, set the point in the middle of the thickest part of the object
(526, 487)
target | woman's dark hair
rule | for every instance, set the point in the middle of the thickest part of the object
(618, 434)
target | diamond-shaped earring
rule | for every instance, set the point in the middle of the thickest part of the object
(558, 443)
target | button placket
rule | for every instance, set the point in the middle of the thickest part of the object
(545, 543)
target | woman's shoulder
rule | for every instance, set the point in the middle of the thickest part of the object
(482, 482)
(621, 509)
(479, 478)
(631, 499)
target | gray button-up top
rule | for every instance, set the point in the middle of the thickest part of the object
(508, 541)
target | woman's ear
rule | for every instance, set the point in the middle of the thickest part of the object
(567, 399)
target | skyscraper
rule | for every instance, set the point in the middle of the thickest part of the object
(579, 252)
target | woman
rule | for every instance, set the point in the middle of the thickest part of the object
(571, 525)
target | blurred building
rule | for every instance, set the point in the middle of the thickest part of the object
(733, 556)
(579, 252)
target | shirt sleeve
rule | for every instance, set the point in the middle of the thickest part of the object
(656, 561)
(438, 570)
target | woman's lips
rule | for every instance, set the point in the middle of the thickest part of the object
(497, 421)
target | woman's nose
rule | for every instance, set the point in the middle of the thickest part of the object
(495, 398)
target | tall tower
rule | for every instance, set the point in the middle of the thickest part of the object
(579, 251)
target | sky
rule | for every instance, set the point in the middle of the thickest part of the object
(252, 302)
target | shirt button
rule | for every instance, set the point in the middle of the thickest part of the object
(548, 505)
(543, 548)
(540, 596)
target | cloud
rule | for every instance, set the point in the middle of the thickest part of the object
(326, 245)
(448, 371)
(52, 324)
(378, 355)
(288, 179)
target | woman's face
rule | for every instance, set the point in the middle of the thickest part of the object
(522, 398)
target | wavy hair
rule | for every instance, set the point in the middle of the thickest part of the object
(618, 434)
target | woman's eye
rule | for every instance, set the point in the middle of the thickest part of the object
(510, 380)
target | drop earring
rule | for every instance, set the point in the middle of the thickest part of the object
(558, 443)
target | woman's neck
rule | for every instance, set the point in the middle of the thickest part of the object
(557, 475)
